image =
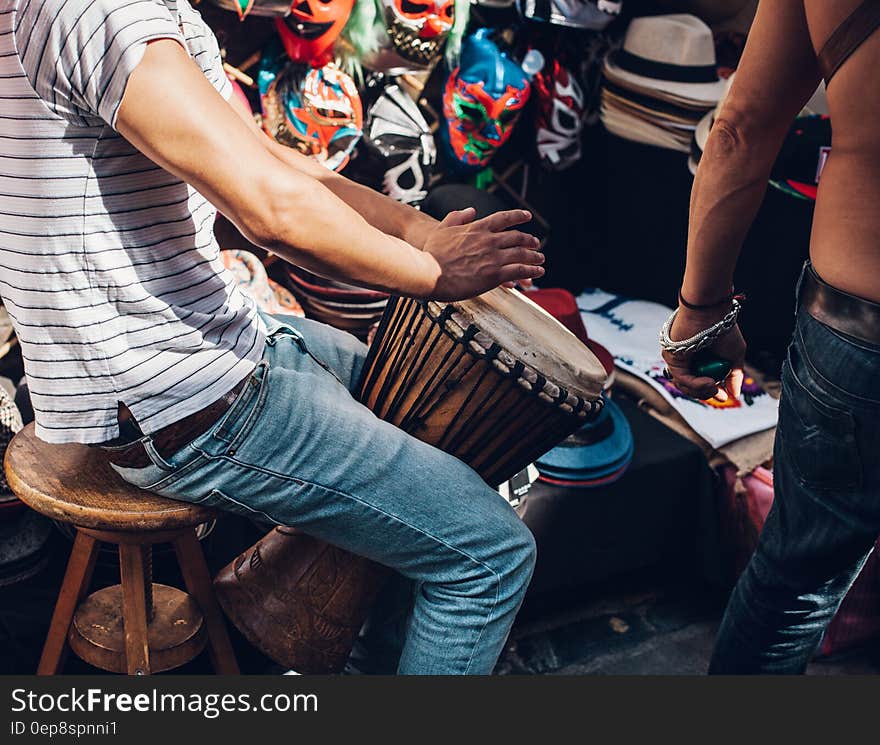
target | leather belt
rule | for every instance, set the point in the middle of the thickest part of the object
(850, 315)
(173, 437)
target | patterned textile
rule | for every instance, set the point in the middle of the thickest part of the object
(10, 423)
(251, 275)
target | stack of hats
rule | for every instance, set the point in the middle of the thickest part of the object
(597, 454)
(601, 451)
(662, 82)
(802, 157)
(341, 305)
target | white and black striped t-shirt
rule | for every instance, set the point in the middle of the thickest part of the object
(108, 264)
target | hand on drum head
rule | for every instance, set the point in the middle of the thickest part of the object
(474, 256)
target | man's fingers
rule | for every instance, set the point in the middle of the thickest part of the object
(514, 239)
(692, 386)
(499, 221)
(518, 272)
(522, 256)
(734, 382)
(460, 217)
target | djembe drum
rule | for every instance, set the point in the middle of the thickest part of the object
(495, 381)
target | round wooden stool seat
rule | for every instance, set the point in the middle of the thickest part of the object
(75, 484)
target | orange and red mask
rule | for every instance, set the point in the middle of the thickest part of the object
(311, 27)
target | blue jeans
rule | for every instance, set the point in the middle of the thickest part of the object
(826, 512)
(297, 449)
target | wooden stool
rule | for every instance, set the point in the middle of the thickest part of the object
(137, 627)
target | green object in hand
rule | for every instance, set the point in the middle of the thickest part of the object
(707, 365)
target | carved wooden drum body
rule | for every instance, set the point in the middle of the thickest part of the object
(496, 380)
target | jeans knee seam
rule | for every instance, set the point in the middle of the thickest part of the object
(467, 667)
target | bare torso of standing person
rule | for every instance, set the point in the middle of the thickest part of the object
(845, 244)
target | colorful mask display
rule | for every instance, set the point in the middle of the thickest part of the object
(559, 116)
(397, 154)
(482, 101)
(399, 36)
(593, 15)
(316, 110)
(312, 26)
(244, 8)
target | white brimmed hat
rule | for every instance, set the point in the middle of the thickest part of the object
(672, 55)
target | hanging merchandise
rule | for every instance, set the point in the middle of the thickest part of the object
(597, 454)
(559, 116)
(662, 82)
(482, 101)
(10, 424)
(400, 36)
(252, 280)
(316, 110)
(593, 15)
(311, 28)
(397, 153)
(244, 8)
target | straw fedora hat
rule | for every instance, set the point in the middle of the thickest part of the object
(672, 55)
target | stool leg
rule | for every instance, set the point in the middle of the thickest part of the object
(77, 578)
(198, 584)
(134, 608)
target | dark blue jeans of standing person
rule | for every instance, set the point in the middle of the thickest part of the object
(826, 512)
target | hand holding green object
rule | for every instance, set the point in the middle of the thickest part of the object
(705, 364)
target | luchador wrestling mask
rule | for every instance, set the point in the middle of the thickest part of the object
(559, 116)
(399, 36)
(418, 28)
(397, 154)
(244, 8)
(311, 28)
(482, 101)
(316, 110)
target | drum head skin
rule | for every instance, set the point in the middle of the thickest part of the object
(532, 336)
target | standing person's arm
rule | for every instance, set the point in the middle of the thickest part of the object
(172, 114)
(777, 75)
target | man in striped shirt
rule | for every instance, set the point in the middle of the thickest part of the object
(118, 142)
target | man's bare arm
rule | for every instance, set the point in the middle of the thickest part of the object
(188, 129)
(380, 211)
(777, 75)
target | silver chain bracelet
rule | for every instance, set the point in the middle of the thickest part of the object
(705, 338)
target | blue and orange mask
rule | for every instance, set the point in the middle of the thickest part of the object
(316, 110)
(482, 101)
